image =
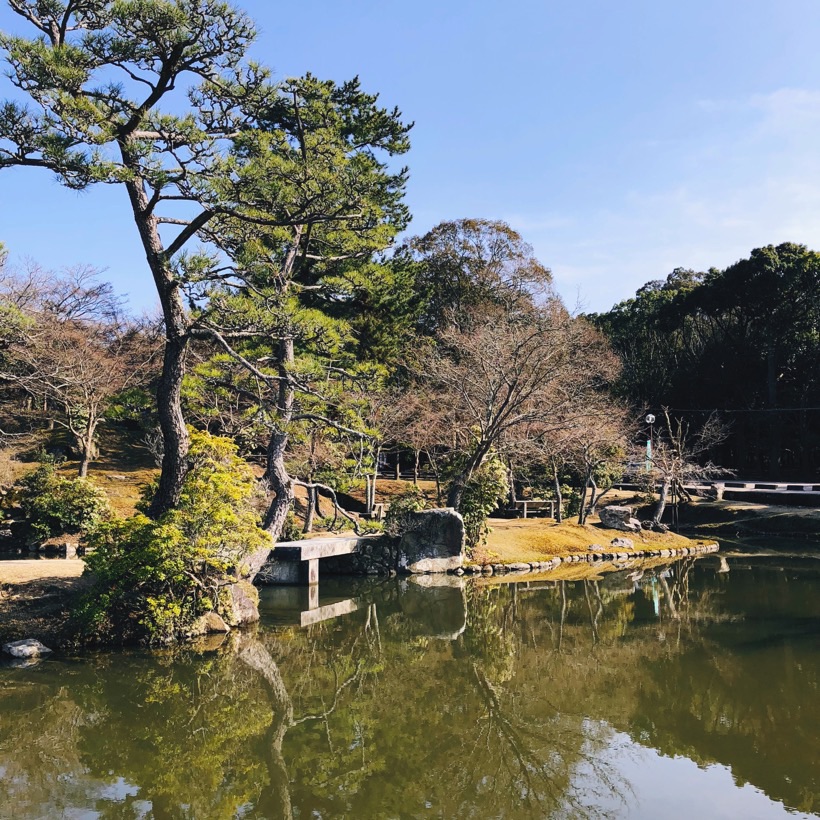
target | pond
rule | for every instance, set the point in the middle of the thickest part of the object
(674, 691)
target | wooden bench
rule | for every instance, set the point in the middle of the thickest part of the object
(534, 505)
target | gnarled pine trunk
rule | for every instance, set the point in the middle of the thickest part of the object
(279, 483)
(172, 423)
(177, 326)
(278, 479)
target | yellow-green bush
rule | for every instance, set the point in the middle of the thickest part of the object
(154, 578)
(486, 487)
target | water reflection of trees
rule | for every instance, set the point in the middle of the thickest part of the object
(400, 709)
(747, 697)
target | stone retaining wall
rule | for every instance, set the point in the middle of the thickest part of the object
(580, 557)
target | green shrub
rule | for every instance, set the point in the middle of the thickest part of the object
(486, 487)
(371, 527)
(292, 529)
(54, 505)
(332, 523)
(570, 497)
(154, 578)
(572, 501)
(400, 509)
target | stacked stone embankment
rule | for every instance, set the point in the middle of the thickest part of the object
(592, 556)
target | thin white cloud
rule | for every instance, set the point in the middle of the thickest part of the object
(749, 177)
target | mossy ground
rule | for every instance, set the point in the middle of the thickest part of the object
(539, 539)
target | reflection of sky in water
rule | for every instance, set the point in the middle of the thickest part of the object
(119, 790)
(79, 788)
(657, 787)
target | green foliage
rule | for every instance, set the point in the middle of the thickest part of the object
(745, 340)
(487, 640)
(739, 337)
(154, 578)
(132, 404)
(486, 487)
(371, 527)
(570, 496)
(327, 522)
(293, 181)
(610, 463)
(469, 264)
(401, 506)
(54, 505)
(381, 309)
(12, 322)
(292, 530)
(652, 335)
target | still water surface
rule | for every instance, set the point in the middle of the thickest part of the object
(676, 693)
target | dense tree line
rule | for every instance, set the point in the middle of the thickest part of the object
(744, 340)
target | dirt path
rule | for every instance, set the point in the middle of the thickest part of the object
(35, 598)
(26, 571)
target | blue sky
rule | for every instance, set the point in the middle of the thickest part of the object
(621, 139)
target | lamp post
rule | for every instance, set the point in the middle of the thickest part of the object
(650, 420)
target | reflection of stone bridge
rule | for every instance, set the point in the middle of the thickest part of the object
(300, 606)
(435, 604)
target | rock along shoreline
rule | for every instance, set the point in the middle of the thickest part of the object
(593, 556)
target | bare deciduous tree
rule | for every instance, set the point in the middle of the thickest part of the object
(681, 455)
(591, 440)
(70, 349)
(507, 375)
(599, 449)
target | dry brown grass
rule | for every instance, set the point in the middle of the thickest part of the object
(8, 469)
(123, 468)
(14, 458)
(538, 539)
(388, 488)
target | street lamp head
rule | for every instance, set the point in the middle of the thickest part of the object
(650, 419)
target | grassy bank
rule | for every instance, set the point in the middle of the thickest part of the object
(539, 539)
